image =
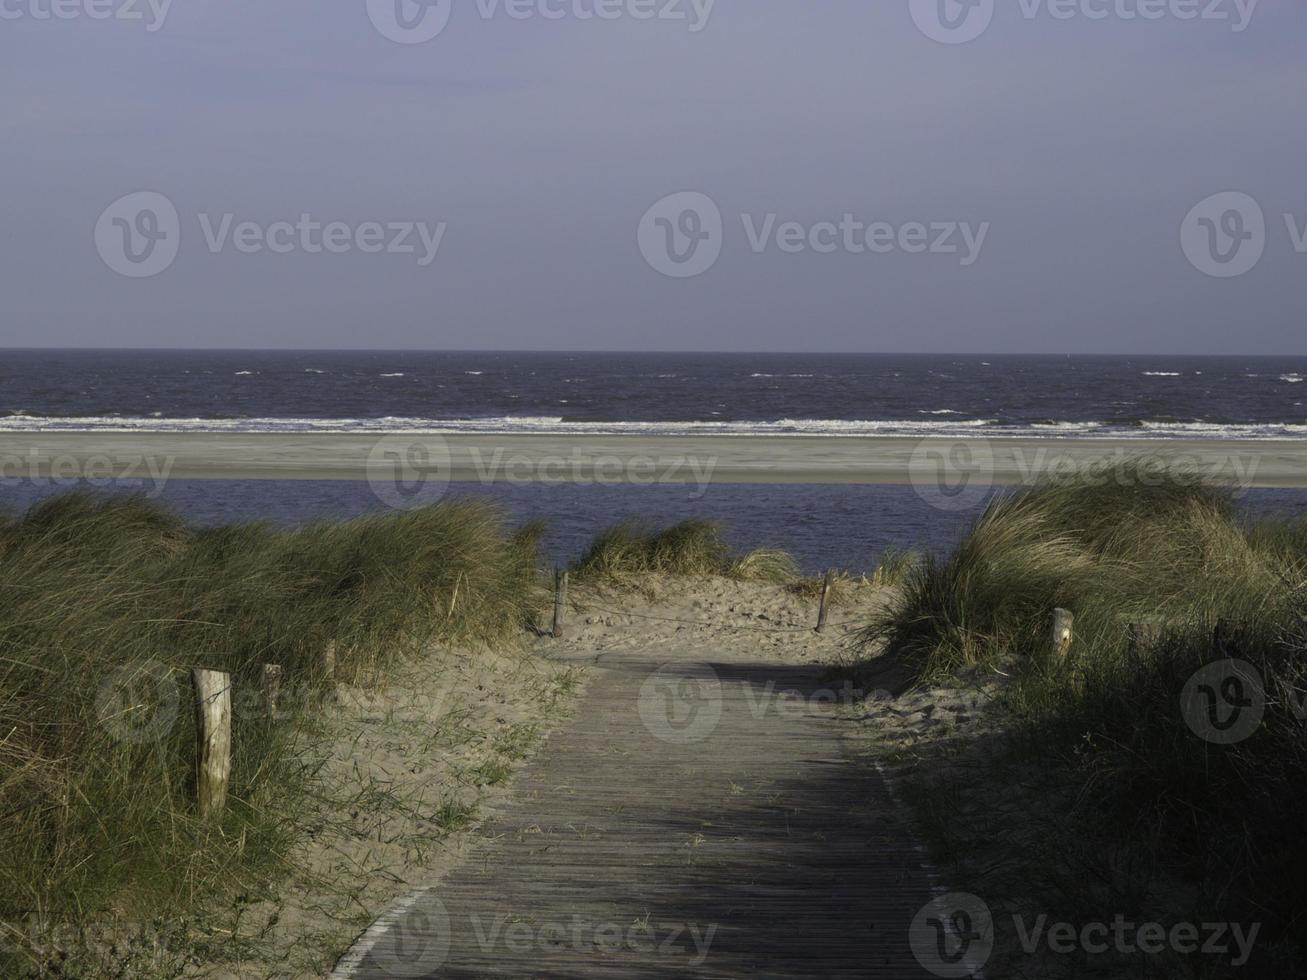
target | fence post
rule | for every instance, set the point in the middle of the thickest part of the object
(825, 594)
(560, 601)
(213, 733)
(1062, 623)
(271, 688)
(329, 661)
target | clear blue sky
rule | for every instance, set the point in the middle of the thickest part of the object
(1080, 143)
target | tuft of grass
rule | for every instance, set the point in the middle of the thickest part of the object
(631, 549)
(1131, 545)
(764, 565)
(893, 566)
(105, 605)
(1136, 545)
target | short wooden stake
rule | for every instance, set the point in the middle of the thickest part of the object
(271, 688)
(825, 594)
(213, 733)
(329, 661)
(1062, 622)
(560, 601)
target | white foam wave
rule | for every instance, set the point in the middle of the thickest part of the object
(554, 425)
(1161, 374)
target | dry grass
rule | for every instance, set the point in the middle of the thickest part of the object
(630, 550)
(1225, 818)
(105, 604)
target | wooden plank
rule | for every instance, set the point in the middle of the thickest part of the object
(756, 847)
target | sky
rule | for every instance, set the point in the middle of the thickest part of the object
(1045, 176)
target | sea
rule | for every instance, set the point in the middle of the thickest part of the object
(652, 393)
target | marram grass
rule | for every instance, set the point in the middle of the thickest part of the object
(105, 605)
(631, 549)
(1172, 552)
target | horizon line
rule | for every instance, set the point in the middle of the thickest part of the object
(596, 350)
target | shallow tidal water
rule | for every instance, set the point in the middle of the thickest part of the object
(822, 526)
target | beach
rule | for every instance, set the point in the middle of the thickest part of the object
(627, 459)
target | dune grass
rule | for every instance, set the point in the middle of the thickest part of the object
(1135, 548)
(894, 565)
(105, 605)
(632, 549)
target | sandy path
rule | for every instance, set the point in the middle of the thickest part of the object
(701, 815)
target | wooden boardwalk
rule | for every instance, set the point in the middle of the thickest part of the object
(690, 821)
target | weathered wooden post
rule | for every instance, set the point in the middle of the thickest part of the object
(213, 738)
(560, 601)
(825, 595)
(329, 661)
(1062, 623)
(271, 688)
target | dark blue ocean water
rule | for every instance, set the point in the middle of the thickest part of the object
(836, 394)
(827, 393)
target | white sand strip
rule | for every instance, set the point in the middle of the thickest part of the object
(624, 459)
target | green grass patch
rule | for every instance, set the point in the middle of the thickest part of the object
(1136, 545)
(105, 605)
(632, 549)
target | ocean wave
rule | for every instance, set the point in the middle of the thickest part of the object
(1161, 374)
(558, 425)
